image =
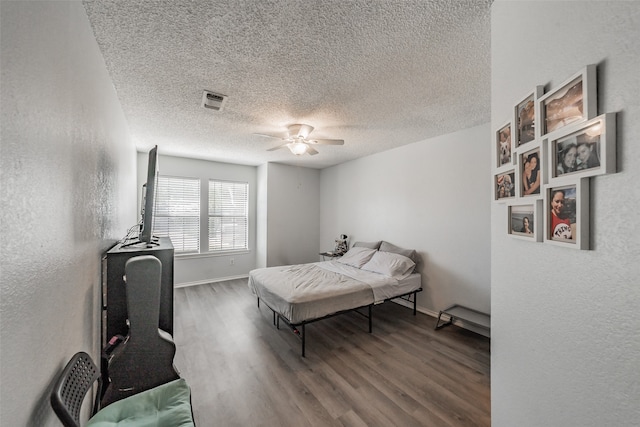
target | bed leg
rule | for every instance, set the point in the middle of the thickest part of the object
(370, 319)
(258, 302)
(302, 338)
(415, 301)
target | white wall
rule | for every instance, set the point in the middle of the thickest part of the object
(432, 196)
(261, 216)
(293, 214)
(67, 169)
(565, 336)
(205, 268)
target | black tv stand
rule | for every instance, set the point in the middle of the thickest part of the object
(114, 318)
(114, 303)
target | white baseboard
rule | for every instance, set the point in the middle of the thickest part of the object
(204, 282)
(418, 308)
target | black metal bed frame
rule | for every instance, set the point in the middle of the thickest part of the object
(299, 328)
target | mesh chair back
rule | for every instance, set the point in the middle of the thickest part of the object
(71, 388)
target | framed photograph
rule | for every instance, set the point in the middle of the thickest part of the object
(504, 146)
(504, 185)
(531, 172)
(525, 118)
(586, 149)
(574, 101)
(525, 220)
(566, 214)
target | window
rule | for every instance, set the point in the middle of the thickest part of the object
(177, 215)
(177, 212)
(228, 216)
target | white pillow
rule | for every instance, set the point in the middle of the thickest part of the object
(390, 264)
(357, 257)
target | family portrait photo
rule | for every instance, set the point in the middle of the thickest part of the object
(530, 172)
(522, 220)
(504, 145)
(526, 121)
(578, 152)
(505, 185)
(565, 107)
(562, 214)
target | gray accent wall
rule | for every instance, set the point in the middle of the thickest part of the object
(433, 196)
(68, 173)
(293, 214)
(566, 323)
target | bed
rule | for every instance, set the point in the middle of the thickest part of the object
(368, 274)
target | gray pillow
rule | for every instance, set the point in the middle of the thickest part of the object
(409, 253)
(357, 257)
(370, 245)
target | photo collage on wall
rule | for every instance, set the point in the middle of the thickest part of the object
(544, 156)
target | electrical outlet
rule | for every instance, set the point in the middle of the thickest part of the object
(232, 261)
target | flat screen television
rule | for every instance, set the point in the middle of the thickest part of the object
(148, 198)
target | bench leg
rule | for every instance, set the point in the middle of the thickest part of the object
(439, 326)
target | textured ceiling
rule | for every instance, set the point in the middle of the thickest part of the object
(376, 73)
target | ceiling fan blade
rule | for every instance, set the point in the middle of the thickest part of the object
(268, 136)
(326, 141)
(277, 147)
(311, 151)
(300, 130)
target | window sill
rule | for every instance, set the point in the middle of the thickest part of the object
(211, 254)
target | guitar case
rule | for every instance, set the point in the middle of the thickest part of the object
(145, 359)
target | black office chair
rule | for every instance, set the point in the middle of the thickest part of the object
(78, 376)
(167, 405)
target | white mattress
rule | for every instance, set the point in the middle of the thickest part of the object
(306, 292)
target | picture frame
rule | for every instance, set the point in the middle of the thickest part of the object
(531, 172)
(524, 118)
(583, 149)
(567, 223)
(525, 220)
(503, 143)
(504, 185)
(575, 100)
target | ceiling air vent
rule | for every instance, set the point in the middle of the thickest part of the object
(212, 100)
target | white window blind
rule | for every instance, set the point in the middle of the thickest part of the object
(228, 216)
(177, 212)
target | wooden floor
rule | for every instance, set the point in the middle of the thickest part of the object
(245, 372)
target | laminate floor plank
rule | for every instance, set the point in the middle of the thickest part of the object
(352, 397)
(243, 371)
(351, 419)
(466, 390)
(347, 366)
(296, 392)
(433, 391)
(405, 379)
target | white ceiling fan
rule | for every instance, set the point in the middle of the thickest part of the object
(297, 140)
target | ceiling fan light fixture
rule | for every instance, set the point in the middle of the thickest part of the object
(297, 148)
(296, 140)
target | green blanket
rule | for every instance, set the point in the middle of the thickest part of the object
(166, 405)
